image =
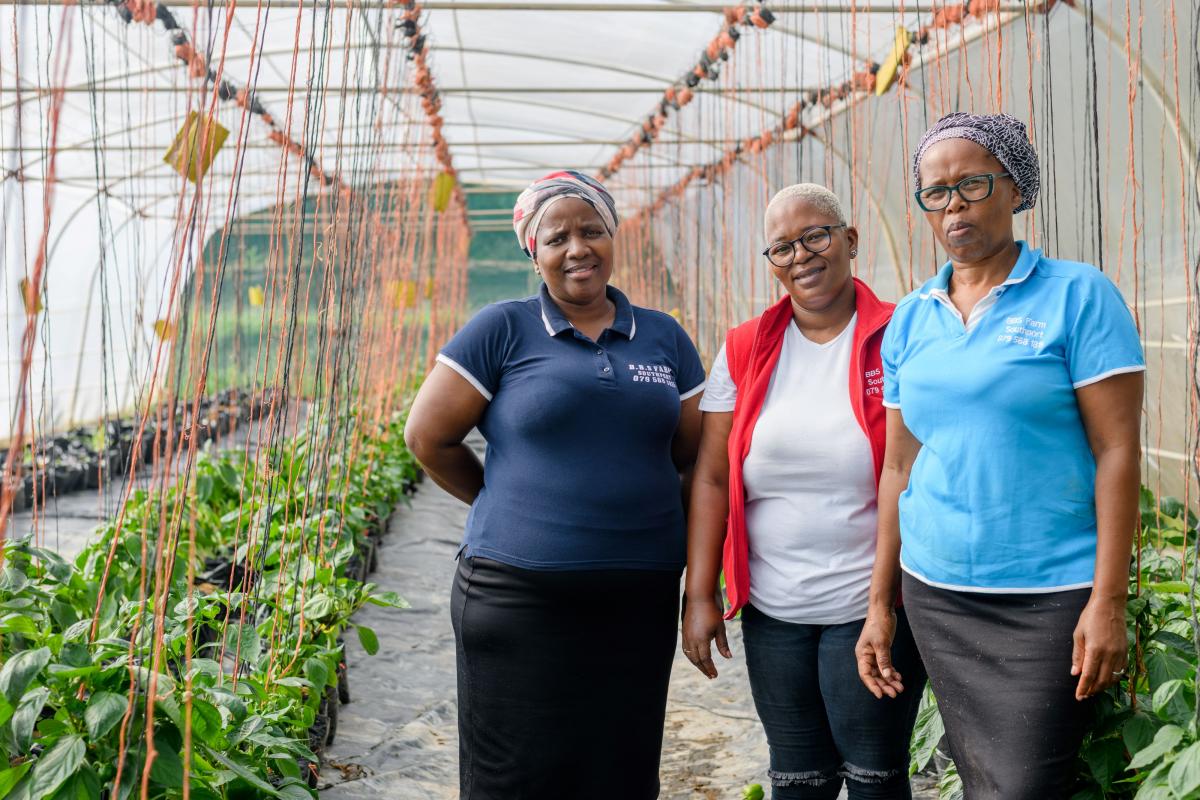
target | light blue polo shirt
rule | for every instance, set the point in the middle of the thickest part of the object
(1001, 497)
(578, 473)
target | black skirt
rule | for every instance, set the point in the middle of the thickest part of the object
(562, 680)
(1000, 666)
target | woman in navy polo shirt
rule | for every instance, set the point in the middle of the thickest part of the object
(566, 600)
(1009, 492)
(785, 489)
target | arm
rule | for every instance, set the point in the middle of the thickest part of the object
(874, 648)
(1111, 411)
(686, 443)
(703, 618)
(444, 411)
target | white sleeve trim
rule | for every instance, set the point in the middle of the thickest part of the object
(1109, 374)
(461, 370)
(693, 392)
(887, 404)
(709, 406)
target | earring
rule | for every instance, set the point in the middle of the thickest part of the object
(853, 253)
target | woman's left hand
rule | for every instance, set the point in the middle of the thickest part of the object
(1101, 648)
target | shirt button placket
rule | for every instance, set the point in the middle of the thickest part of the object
(603, 363)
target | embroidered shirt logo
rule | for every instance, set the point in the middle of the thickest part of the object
(653, 373)
(1023, 331)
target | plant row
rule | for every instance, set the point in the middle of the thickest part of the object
(87, 456)
(198, 639)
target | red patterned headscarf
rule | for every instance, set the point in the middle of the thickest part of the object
(548, 190)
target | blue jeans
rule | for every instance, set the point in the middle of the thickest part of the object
(823, 726)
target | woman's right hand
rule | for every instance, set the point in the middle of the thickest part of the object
(702, 623)
(874, 654)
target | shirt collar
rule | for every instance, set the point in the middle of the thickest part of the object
(1026, 260)
(556, 322)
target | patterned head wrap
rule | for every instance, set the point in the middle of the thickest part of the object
(1001, 135)
(548, 190)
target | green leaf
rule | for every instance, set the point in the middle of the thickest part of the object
(316, 671)
(1138, 732)
(1106, 760)
(54, 768)
(18, 623)
(1163, 667)
(167, 768)
(104, 710)
(83, 785)
(242, 771)
(368, 639)
(1154, 791)
(296, 791)
(248, 728)
(78, 630)
(242, 638)
(206, 722)
(387, 600)
(1167, 738)
(54, 563)
(1170, 587)
(319, 606)
(1170, 700)
(927, 732)
(1184, 776)
(26, 716)
(20, 670)
(10, 777)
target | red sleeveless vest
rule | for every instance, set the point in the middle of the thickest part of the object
(752, 350)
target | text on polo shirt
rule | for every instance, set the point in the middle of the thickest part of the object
(1024, 331)
(653, 373)
(874, 381)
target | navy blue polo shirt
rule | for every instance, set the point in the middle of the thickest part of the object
(578, 472)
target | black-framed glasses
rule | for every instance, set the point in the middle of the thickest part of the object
(972, 189)
(815, 240)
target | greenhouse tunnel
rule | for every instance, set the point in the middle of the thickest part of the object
(234, 236)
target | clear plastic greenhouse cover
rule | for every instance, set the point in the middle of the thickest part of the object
(694, 116)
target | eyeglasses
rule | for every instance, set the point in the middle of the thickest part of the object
(972, 189)
(815, 240)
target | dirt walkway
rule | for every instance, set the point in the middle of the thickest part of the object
(398, 738)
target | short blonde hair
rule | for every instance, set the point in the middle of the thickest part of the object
(815, 195)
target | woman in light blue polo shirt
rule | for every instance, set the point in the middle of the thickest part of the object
(566, 601)
(1008, 498)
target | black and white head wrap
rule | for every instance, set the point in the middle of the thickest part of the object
(1002, 135)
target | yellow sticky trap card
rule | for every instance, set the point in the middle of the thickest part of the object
(403, 294)
(890, 68)
(164, 329)
(443, 188)
(196, 146)
(256, 296)
(30, 296)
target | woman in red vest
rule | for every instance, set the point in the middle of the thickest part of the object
(784, 498)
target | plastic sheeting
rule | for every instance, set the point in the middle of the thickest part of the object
(524, 91)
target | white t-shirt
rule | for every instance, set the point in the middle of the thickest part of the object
(810, 485)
